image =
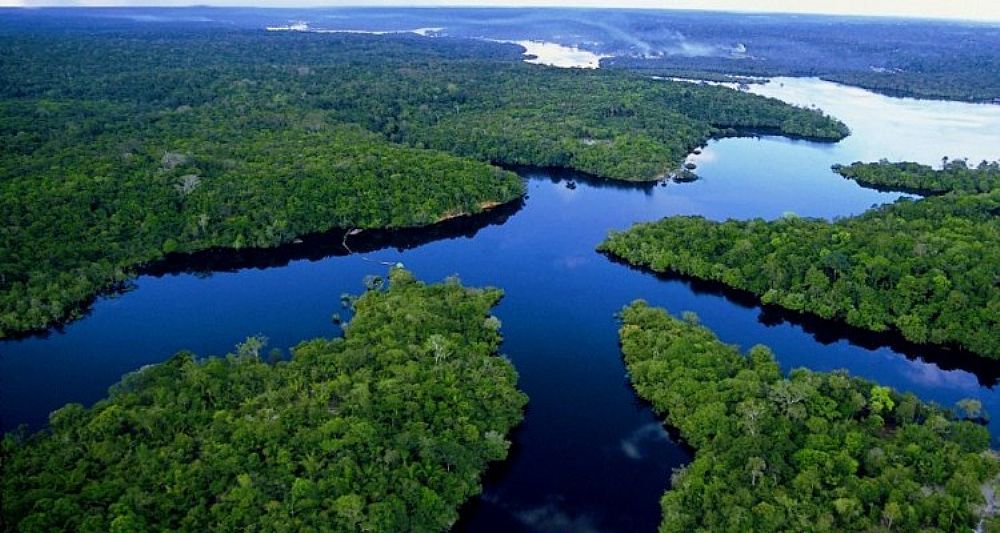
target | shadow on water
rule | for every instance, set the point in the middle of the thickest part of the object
(502, 513)
(673, 433)
(827, 332)
(310, 247)
(486, 504)
(570, 178)
(318, 246)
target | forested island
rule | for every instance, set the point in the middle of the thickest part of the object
(124, 145)
(955, 175)
(927, 268)
(386, 429)
(810, 452)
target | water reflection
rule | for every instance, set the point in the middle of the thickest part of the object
(633, 444)
(310, 247)
(986, 371)
(318, 246)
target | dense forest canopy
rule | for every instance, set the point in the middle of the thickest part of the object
(420, 91)
(808, 452)
(386, 429)
(955, 175)
(910, 57)
(92, 190)
(929, 268)
(125, 144)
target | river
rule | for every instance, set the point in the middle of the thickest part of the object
(589, 456)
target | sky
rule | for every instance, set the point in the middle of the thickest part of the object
(982, 10)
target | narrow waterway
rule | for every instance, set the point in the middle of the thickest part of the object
(589, 455)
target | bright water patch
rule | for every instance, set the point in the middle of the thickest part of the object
(558, 55)
(898, 129)
(306, 28)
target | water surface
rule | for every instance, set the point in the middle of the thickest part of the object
(589, 455)
(907, 129)
(558, 55)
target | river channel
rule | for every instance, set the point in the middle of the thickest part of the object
(589, 455)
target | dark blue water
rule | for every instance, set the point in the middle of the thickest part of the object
(589, 455)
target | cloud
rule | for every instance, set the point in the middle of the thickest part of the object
(571, 262)
(930, 375)
(952, 9)
(551, 518)
(631, 445)
(631, 450)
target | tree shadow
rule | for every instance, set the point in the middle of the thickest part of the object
(310, 247)
(319, 246)
(827, 332)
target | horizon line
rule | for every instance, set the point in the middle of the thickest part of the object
(461, 6)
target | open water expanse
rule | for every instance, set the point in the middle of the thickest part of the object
(589, 456)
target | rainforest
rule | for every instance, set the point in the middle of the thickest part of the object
(811, 451)
(387, 428)
(121, 150)
(369, 269)
(928, 268)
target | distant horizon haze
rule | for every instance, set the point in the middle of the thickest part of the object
(969, 10)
